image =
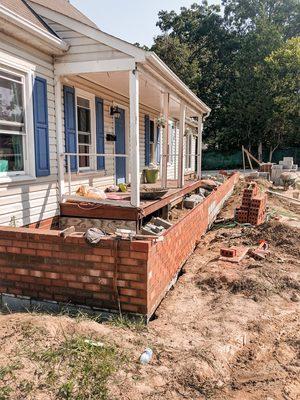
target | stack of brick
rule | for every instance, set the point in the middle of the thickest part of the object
(253, 208)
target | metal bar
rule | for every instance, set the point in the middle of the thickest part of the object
(69, 174)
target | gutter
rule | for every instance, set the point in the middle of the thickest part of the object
(55, 43)
(173, 78)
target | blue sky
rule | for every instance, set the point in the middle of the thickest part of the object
(131, 20)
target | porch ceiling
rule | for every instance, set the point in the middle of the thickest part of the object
(151, 91)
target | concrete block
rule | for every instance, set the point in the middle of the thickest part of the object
(190, 204)
(51, 307)
(161, 222)
(15, 304)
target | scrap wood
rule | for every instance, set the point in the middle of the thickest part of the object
(234, 254)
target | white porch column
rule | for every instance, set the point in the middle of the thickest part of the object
(199, 149)
(59, 138)
(166, 106)
(134, 137)
(180, 145)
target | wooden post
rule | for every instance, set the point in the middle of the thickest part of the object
(199, 148)
(164, 178)
(59, 138)
(180, 145)
(134, 137)
(244, 161)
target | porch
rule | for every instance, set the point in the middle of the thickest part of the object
(122, 209)
(147, 119)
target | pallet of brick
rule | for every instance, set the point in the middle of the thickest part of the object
(253, 208)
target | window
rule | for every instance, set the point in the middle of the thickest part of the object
(12, 123)
(84, 131)
(152, 142)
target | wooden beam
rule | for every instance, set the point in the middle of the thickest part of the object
(180, 146)
(134, 137)
(166, 111)
(199, 148)
(84, 67)
(244, 161)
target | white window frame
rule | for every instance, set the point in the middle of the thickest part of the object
(91, 97)
(26, 70)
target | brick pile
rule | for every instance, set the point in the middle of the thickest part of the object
(253, 207)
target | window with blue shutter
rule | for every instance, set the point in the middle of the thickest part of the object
(147, 140)
(41, 128)
(158, 145)
(70, 124)
(100, 133)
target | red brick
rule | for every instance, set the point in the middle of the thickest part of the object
(52, 275)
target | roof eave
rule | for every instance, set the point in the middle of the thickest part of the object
(53, 44)
(166, 72)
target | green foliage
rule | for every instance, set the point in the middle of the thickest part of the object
(243, 64)
(77, 369)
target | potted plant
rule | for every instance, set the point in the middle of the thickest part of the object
(151, 173)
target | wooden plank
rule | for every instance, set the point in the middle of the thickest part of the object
(98, 211)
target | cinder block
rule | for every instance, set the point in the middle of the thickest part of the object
(161, 222)
(16, 304)
(45, 306)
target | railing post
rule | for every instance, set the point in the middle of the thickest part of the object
(180, 145)
(59, 138)
(199, 149)
(134, 137)
(69, 174)
(165, 139)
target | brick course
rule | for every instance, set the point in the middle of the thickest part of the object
(42, 265)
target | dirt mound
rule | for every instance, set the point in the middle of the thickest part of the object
(277, 235)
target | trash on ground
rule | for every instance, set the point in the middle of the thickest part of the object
(146, 356)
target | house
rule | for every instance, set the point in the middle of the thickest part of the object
(81, 107)
(69, 93)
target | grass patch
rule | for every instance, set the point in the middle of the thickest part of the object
(134, 324)
(78, 370)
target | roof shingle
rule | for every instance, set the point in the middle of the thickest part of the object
(66, 8)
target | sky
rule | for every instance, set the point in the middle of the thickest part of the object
(130, 20)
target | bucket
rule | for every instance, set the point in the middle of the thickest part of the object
(151, 175)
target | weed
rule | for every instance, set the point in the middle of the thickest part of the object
(78, 370)
(25, 386)
(9, 370)
(5, 392)
(134, 324)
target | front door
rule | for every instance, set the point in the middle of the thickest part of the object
(120, 147)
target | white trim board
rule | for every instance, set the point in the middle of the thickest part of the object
(74, 68)
(92, 33)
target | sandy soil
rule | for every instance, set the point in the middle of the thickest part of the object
(226, 331)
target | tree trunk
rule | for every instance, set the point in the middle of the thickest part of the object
(272, 149)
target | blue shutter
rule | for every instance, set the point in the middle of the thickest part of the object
(70, 124)
(147, 140)
(100, 133)
(158, 145)
(41, 129)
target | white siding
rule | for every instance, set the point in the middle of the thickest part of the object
(30, 202)
(82, 48)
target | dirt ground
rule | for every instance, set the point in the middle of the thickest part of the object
(226, 331)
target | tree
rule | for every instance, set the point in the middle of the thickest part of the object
(282, 71)
(224, 59)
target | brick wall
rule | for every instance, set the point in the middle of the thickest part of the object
(43, 265)
(166, 258)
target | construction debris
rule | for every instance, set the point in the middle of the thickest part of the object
(192, 201)
(253, 208)
(233, 254)
(156, 227)
(261, 252)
